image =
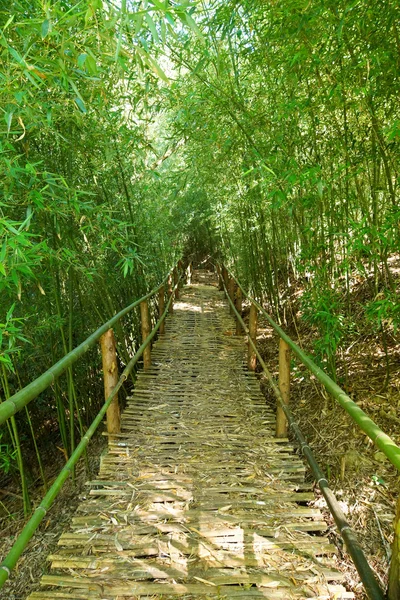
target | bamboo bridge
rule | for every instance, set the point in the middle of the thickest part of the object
(197, 496)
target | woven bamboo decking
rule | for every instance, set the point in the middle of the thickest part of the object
(196, 498)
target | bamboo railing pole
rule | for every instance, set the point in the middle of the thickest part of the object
(161, 307)
(251, 355)
(238, 304)
(110, 373)
(170, 293)
(394, 570)
(146, 328)
(284, 387)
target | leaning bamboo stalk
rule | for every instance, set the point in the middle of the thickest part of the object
(394, 571)
(28, 531)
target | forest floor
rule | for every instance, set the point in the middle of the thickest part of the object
(365, 483)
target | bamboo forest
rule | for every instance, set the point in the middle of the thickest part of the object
(200, 314)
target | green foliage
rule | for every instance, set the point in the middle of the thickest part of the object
(324, 310)
(7, 457)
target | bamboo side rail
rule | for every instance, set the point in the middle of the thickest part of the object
(41, 511)
(364, 422)
(21, 398)
(353, 546)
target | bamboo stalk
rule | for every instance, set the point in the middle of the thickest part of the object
(394, 570)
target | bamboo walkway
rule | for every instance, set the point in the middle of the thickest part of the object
(196, 498)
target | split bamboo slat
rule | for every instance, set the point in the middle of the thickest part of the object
(196, 497)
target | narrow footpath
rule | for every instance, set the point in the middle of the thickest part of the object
(196, 498)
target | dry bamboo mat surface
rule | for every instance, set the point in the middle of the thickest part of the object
(196, 498)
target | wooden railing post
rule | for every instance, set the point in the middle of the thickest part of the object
(146, 329)
(251, 355)
(161, 308)
(231, 291)
(284, 387)
(110, 373)
(170, 293)
(394, 570)
(238, 306)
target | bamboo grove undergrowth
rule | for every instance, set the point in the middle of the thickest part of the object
(133, 132)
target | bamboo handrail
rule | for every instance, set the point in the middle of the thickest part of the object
(15, 403)
(364, 422)
(29, 529)
(371, 585)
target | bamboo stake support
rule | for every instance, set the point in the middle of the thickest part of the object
(251, 355)
(231, 291)
(238, 304)
(110, 373)
(176, 279)
(394, 570)
(146, 329)
(161, 308)
(284, 387)
(170, 292)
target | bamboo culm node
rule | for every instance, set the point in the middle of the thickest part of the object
(110, 374)
(284, 388)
